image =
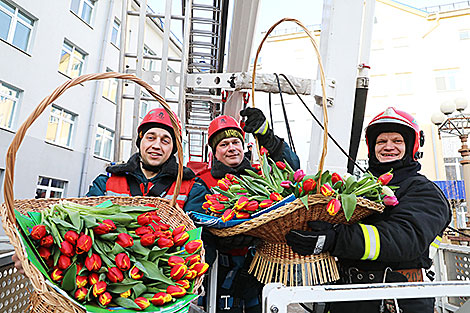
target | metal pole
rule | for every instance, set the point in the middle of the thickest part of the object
(166, 41)
(120, 89)
(465, 153)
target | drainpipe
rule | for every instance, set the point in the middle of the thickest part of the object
(436, 168)
(97, 94)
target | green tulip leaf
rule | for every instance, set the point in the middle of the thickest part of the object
(348, 202)
(152, 271)
(126, 303)
(304, 200)
(76, 220)
(139, 289)
(139, 249)
(70, 276)
(325, 177)
(253, 174)
(155, 253)
(89, 221)
(109, 236)
(116, 249)
(123, 286)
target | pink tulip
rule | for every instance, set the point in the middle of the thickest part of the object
(390, 201)
(299, 175)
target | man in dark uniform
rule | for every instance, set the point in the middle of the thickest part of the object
(394, 244)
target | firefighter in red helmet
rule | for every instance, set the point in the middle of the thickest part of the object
(392, 246)
(237, 290)
(153, 170)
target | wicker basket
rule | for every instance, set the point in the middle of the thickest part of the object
(46, 299)
(274, 260)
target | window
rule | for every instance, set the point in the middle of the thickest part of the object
(464, 34)
(104, 142)
(60, 127)
(454, 170)
(116, 33)
(400, 42)
(404, 83)
(83, 8)
(15, 26)
(50, 188)
(446, 79)
(9, 98)
(71, 60)
(110, 88)
(149, 65)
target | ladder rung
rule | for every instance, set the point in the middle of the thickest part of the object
(203, 32)
(204, 20)
(201, 65)
(202, 54)
(151, 57)
(202, 44)
(205, 7)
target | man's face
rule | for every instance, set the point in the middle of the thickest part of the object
(156, 146)
(389, 147)
(229, 151)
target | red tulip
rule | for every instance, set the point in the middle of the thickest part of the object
(126, 294)
(217, 208)
(180, 239)
(63, 262)
(81, 281)
(333, 206)
(143, 230)
(265, 203)
(122, 261)
(263, 151)
(390, 200)
(252, 206)
(105, 298)
(242, 215)
(335, 177)
(102, 229)
(110, 223)
(160, 298)
(57, 275)
(230, 177)
(221, 197)
(136, 273)
(155, 216)
(93, 278)
(81, 293)
(83, 244)
(326, 190)
(190, 274)
(183, 283)
(200, 268)
(275, 196)
(178, 230)
(175, 291)
(144, 219)
(71, 237)
(163, 226)
(309, 185)
(280, 165)
(163, 242)
(228, 215)
(79, 267)
(44, 252)
(178, 271)
(174, 260)
(193, 246)
(384, 179)
(241, 203)
(222, 184)
(190, 260)
(50, 263)
(99, 288)
(115, 275)
(125, 240)
(148, 239)
(67, 249)
(142, 302)
(93, 262)
(38, 232)
(46, 241)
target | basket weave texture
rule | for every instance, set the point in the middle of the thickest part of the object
(46, 299)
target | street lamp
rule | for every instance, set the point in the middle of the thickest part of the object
(451, 120)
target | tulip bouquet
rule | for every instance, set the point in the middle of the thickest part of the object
(114, 256)
(241, 197)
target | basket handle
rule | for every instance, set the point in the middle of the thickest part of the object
(16, 142)
(322, 79)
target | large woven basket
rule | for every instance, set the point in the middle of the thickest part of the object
(274, 260)
(45, 298)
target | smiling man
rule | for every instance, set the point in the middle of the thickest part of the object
(153, 170)
(392, 246)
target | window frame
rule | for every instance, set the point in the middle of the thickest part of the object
(448, 76)
(15, 19)
(81, 4)
(149, 64)
(117, 41)
(49, 187)
(16, 105)
(59, 126)
(103, 135)
(107, 87)
(72, 55)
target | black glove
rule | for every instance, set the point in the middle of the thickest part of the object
(320, 239)
(224, 244)
(257, 124)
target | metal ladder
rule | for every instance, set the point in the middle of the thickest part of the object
(206, 55)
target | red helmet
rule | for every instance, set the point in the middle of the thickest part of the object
(159, 116)
(394, 116)
(223, 122)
